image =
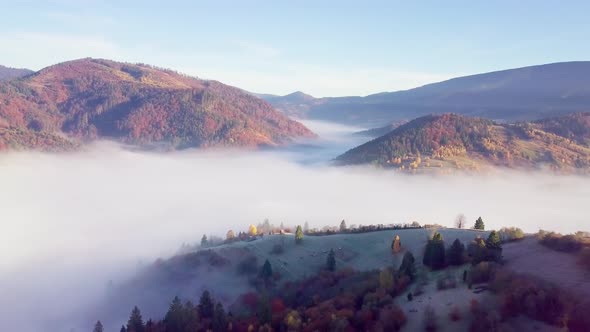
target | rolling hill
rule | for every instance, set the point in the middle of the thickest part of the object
(7, 73)
(90, 99)
(521, 94)
(455, 141)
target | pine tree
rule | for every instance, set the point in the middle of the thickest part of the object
(434, 255)
(456, 252)
(135, 322)
(264, 311)
(266, 271)
(396, 245)
(331, 261)
(204, 241)
(205, 307)
(123, 329)
(190, 317)
(306, 227)
(298, 235)
(493, 241)
(408, 267)
(479, 224)
(98, 327)
(219, 319)
(343, 226)
(174, 319)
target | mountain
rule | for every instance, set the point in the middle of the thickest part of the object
(295, 104)
(138, 104)
(456, 141)
(7, 73)
(379, 131)
(521, 94)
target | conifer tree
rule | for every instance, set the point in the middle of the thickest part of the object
(493, 241)
(408, 267)
(266, 271)
(135, 322)
(264, 311)
(123, 329)
(331, 261)
(434, 255)
(204, 241)
(479, 224)
(175, 316)
(343, 226)
(456, 252)
(219, 319)
(306, 227)
(298, 235)
(205, 306)
(98, 327)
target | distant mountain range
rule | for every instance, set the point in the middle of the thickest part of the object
(527, 93)
(60, 106)
(459, 142)
(7, 73)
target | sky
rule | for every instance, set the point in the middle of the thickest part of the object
(324, 48)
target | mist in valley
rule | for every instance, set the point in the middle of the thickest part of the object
(74, 223)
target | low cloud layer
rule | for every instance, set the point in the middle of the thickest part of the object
(71, 222)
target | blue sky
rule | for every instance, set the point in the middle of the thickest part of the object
(325, 48)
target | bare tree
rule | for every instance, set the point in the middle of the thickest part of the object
(460, 221)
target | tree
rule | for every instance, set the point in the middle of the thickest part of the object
(456, 252)
(98, 327)
(386, 279)
(477, 251)
(343, 226)
(266, 271)
(205, 306)
(493, 241)
(264, 310)
(331, 261)
(135, 322)
(460, 221)
(434, 255)
(479, 224)
(174, 318)
(123, 329)
(252, 231)
(219, 319)
(306, 227)
(408, 267)
(494, 247)
(396, 245)
(230, 235)
(204, 241)
(298, 235)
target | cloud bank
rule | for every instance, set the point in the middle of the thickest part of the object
(71, 222)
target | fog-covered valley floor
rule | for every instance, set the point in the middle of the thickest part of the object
(73, 223)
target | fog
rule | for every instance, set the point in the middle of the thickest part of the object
(72, 222)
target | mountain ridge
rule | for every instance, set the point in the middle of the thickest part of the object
(138, 104)
(455, 141)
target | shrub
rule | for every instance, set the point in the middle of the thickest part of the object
(392, 318)
(482, 272)
(566, 243)
(509, 234)
(456, 253)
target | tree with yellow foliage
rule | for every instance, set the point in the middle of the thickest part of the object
(252, 230)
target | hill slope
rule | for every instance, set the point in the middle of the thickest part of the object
(7, 73)
(462, 142)
(139, 104)
(527, 93)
